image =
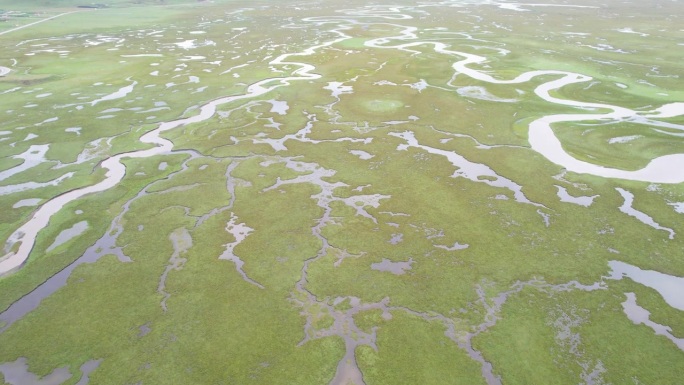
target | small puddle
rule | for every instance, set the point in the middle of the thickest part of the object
(642, 217)
(187, 44)
(337, 89)
(32, 157)
(396, 238)
(68, 234)
(75, 130)
(15, 188)
(363, 155)
(545, 217)
(624, 139)
(239, 231)
(122, 92)
(396, 268)
(478, 92)
(668, 286)
(17, 373)
(144, 330)
(638, 315)
(86, 369)
(564, 196)
(280, 107)
(420, 85)
(182, 242)
(678, 207)
(27, 203)
(456, 246)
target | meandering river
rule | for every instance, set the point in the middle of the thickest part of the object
(116, 170)
(664, 169)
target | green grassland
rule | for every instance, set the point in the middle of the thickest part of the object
(303, 282)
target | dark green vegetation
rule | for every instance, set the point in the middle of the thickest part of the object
(294, 199)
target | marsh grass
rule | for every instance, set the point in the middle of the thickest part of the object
(221, 328)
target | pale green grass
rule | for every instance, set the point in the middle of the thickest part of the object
(219, 328)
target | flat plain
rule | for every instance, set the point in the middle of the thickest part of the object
(327, 192)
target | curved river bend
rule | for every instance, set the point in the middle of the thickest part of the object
(116, 170)
(664, 169)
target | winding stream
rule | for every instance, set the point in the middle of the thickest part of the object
(664, 169)
(116, 170)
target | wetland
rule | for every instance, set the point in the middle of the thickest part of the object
(326, 192)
